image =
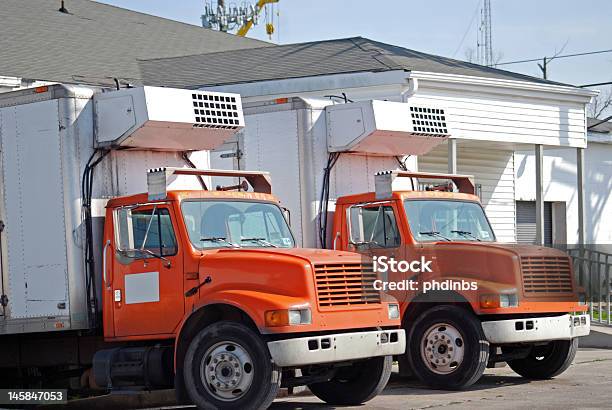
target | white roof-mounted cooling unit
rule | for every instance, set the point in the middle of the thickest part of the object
(385, 128)
(166, 119)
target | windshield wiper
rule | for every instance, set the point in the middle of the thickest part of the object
(370, 244)
(261, 241)
(435, 234)
(467, 233)
(219, 239)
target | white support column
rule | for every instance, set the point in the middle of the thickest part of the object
(452, 156)
(539, 159)
(580, 186)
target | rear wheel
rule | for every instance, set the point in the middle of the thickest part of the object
(228, 366)
(356, 384)
(547, 361)
(447, 348)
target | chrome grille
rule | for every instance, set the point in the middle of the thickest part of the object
(345, 284)
(546, 274)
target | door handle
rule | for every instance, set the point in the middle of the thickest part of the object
(106, 245)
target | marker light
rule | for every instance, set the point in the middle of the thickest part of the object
(288, 317)
(494, 301)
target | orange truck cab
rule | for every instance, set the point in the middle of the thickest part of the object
(207, 287)
(467, 301)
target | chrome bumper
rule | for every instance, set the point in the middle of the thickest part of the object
(537, 329)
(337, 347)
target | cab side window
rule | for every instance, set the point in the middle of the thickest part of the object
(374, 225)
(145, 229)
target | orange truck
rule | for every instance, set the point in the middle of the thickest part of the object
(479, 302)
(486, 302)
(128, 279)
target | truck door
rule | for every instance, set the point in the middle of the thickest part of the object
(147, 279)
(374, 232)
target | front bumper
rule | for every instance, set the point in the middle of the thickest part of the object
(337, 347)
(537, 329)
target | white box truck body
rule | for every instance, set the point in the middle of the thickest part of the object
(296, 140)
(48, 136)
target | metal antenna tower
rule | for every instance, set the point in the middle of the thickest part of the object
(484, 50)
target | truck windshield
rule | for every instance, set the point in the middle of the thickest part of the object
(447, 220)
(231, 224)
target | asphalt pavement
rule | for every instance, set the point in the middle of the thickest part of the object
(586, 384)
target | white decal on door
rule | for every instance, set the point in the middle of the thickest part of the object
(142, 287)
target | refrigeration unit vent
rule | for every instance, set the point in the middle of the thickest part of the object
(165, 119)
(385, 128)
(428, 120)
(216, 111)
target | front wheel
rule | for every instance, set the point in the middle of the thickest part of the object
(547, 361)
(356, 384)
(228, 366)
(447, 348)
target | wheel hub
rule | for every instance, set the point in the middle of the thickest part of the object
(442, 348)
(227, 371)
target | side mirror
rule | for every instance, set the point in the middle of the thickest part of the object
(287, 215)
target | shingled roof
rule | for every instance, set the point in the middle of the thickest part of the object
(94, 42)
(348, 55)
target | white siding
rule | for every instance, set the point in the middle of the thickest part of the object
(505, 118)
(493, 169)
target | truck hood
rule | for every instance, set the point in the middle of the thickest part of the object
(523, 249)
(314, 256)
(537, 271)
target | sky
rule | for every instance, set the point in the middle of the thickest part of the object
(521, 29)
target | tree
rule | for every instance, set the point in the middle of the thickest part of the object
(601, 105)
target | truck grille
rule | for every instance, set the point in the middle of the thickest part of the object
(345, 284)
(546, 274)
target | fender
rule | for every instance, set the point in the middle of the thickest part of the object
(254, 304)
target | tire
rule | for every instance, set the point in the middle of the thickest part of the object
(546, 362)
(243, 375)
(453, 336)
(355, 384)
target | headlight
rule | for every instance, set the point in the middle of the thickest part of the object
(508, 300)
(394, 311)
(288, 317)
(502, 300)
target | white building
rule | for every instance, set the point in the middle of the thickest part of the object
(494, 113)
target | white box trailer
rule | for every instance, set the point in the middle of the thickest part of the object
(297, 139)
(50, 138)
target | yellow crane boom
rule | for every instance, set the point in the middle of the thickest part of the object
(242, 31)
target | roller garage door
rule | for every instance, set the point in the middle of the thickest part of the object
(526, 222)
